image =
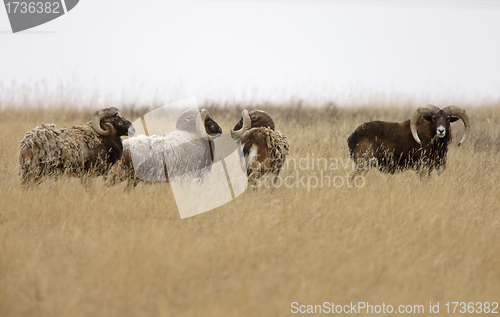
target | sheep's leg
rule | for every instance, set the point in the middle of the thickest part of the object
(275, 177)
(360, 169)
(86, 181)
(254, 174)
(424, 172)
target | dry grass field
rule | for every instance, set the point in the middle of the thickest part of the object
(70, 249)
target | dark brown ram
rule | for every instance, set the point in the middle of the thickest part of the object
(420, 143)
(80, 150)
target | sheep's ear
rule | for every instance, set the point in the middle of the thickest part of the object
(453, 119)
(427, 117)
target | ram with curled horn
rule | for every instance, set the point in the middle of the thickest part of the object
(188, 149)
(264, 148)
(88, 150)
(420, 143)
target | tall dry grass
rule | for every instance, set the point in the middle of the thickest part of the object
(74, 249)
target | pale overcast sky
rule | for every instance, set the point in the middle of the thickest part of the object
(236, 50)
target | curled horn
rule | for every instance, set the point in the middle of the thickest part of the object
(247, 124)
(200, 126)
(98, 116)
(422, 111)
(459, 112)
(204, 114)
(189, 121)
(261, 113)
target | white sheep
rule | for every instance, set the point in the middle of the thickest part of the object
(158, 158)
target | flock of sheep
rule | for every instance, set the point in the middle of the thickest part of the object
(96, 148)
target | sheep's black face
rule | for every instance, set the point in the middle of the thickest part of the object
(238, 125)
(120, 124)
(212, 128)
(440, 123)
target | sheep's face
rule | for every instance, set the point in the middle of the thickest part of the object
(120, 124)
(440, 123)
(187, 122)
(212, 128)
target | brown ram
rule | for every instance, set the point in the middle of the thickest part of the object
(265, 149)
(420, 143)
(80, 150)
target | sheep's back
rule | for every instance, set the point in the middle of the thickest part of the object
(48, 144)
(179, 152)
